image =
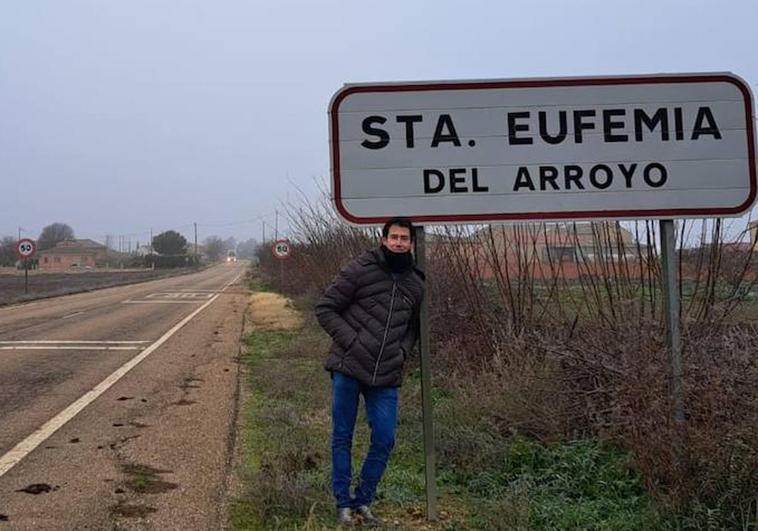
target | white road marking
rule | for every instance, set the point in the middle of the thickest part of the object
(69, 316)
(69, 342)
(58, 347)
(161, 301)
(22, 449)
(195, 291)
(179, 295)
(175, 297)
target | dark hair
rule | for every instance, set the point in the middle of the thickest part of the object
(398, 222)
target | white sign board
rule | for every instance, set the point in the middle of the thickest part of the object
(661, 146)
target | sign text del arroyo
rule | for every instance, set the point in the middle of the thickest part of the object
(544, 149)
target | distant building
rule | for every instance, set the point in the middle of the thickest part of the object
(72, 254)
(545, 249)
(562, 242)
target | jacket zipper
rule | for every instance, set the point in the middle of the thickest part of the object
(386, 330)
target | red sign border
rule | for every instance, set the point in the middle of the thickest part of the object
(540, 83)
(285, 240)
(34, 249)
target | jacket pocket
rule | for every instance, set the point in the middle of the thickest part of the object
(349, 350)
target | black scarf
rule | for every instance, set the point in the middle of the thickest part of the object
(397, 262)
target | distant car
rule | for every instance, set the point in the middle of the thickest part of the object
(231, 256)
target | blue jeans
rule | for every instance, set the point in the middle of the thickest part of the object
(381, 410)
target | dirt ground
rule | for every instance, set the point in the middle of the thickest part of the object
(44, 284)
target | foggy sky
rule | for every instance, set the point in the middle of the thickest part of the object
(121, 116)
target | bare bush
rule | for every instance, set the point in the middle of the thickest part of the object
(321, 244)
(569, 345)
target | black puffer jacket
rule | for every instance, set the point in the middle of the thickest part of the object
(372, 317)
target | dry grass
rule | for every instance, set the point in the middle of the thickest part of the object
(271, 311)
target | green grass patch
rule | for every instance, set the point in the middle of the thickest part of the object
(576, 485)
(285, 460)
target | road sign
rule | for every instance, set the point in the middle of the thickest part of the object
(25, 249)
(660, 146)
(281, 249)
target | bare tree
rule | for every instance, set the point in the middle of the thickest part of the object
(7, 251)
(54, 233)
(214, 247)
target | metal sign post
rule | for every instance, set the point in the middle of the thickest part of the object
(426, 385)
(671, 314)
(281, 251)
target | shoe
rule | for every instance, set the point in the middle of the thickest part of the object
(345, 517)
(368, 518)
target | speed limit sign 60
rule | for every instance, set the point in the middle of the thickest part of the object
(25, 248)
(281, 249)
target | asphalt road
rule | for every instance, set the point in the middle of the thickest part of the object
(112, 416)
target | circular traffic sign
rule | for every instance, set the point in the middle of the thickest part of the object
(281, 249)
(25, 248)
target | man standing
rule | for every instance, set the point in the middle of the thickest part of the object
(371, 313)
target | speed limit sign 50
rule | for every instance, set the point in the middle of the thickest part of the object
(281, 249)
(25, 248)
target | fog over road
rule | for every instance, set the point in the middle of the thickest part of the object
(150, 451)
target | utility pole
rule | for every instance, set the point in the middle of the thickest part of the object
(195, 243)
(19, 233)
(263, 239)
(108, 248)
(276, 225)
